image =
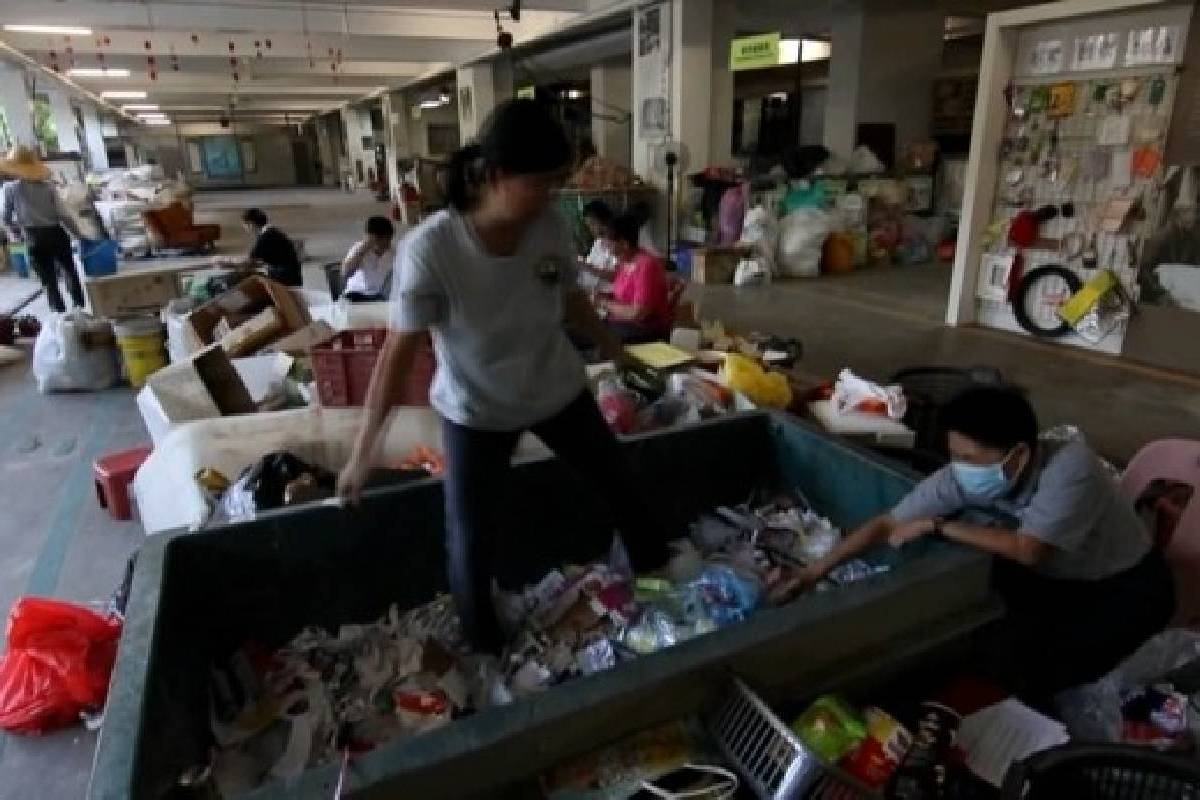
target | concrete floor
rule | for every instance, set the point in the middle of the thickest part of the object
(56, 541)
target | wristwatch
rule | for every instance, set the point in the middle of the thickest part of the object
(938, 523)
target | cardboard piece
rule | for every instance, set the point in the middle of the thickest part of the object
(300, 342)
(711, 265)
(241, 303)
(253, 334)
(206, 385)
(132, 293)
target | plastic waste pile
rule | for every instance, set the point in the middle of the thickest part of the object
(633, 401)
(327, 695)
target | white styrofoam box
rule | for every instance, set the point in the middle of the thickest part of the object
(168, 496)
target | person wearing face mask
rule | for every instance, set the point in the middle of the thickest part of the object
(1083, 585)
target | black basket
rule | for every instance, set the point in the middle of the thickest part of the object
(928, 389)
(1103, 772)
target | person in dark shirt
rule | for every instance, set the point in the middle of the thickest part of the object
(272, 250)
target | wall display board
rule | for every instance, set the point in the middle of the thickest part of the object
(1075, 188)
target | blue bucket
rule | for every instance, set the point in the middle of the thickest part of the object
(99, 257)
(18, 260)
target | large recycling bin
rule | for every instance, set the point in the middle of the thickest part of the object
(197, 597)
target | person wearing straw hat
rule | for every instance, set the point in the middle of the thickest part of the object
(31, 209)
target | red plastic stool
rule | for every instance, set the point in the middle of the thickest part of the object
(113, 474)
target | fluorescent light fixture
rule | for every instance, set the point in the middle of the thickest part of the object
(151, 115)
(140, 107)
(792, 51)
(157, 121)
(432, 103)
(814, 50)
(574, 94)
(123, 95)
(66, 30)
(98, 72)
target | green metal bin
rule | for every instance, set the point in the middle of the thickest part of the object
(197, 597)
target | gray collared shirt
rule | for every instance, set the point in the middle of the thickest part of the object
(1066, 500)
(33, 204)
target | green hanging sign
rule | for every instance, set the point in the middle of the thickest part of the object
(754, 52)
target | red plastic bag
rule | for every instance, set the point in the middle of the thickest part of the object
(59, 660)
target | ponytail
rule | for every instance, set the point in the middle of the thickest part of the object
(519, 137)
(463, 178)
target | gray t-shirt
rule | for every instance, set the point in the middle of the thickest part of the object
(504, 361)
(1067, 501)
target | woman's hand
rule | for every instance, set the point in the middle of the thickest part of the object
(791, 581)
(353, 478)
(910, 532)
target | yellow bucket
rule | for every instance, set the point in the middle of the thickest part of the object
(142, 348)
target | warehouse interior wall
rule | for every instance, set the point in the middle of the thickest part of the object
(274, 158)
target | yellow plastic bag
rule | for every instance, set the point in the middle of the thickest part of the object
(763, 388)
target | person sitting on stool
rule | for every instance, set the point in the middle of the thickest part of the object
(637, 309)
(32, 210)
(367, 268)
(1083, 585)
(272, 250)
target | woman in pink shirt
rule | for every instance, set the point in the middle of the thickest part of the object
(637, 309)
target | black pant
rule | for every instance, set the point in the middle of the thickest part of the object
(636, 332)
(49, 251)
(477, 462)
(361, 297)
(1062, 633)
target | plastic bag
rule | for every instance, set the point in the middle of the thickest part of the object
(268, 483)
(58, 662)
(853, 394)
(618, 405)
(1092, 712)
(751, 272)
(863, 161)
(181, 340)
(728, 596)
(801, 242)
(74, 352)
(763, 388)
(760, 231)
(730, 214)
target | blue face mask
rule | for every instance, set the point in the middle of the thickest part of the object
(986, 481)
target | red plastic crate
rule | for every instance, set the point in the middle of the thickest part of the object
(342, 368)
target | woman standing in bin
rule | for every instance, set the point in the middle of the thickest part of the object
(32, 210)
(493, 279)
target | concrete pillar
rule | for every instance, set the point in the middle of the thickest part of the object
(612, 99)
(699, 91)
(395, 126)
(93, 136)
(357, 125)
(65, 124)
(886, 54)
(14, 99)
(486, 84)
(326, 152)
